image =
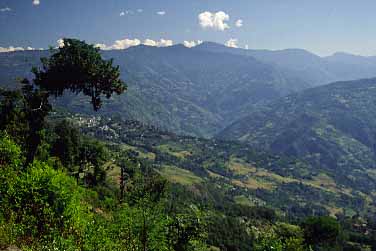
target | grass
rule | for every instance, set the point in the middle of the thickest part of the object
(371, 173)
(248, 201)
(239, 167)
(274, 177)
(215, 175)
(333, 211)
(175, 152)
(113, 172)
(243, 200)
(180, 176)
(254, 183)
(142, 154)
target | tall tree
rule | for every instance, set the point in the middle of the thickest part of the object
(67, 144)
(23, 115)
(127, 162)
(80, 68)
(76, 66)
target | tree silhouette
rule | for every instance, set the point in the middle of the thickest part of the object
(79, 67)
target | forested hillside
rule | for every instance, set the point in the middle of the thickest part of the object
(82, 182)
(331, 127)
(200, 91)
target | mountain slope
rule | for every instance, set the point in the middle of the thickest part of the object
(331, 126)
(200, 91)
(184, 90)
(244, 175)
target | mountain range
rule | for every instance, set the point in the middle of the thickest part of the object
(202, 90)
(279, 133)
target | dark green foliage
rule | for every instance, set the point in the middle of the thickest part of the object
(322, 232)
(23, 115)
(10, 153)
(92, 155)
(79, 67)
(187, 228)
(40, 204)
(229, 233)
(67, 143)
(128, 163)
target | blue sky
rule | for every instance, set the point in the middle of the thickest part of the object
(321, 26)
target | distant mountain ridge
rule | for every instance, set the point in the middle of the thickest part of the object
(314, 69)
(331, 126)
(201, 90)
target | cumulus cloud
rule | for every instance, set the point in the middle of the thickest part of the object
(127, 43)
(160, 43)
(140, 10)
(233, 43)
(239, 23)
(122, 13)
(150, 42)
(213, 20)
(36, 2)
(5, 9)
(12, 48)
(191, 44)
(165, 43)
(60, 43)
(161, 13)
(101, 46)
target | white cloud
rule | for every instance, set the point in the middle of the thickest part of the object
(150, 42)
(161, 13)
(140, 10)
(191, 44)
(36, 2)
(160, 43)
(239, 23)
(122, 13)
(101, 46)
(5, 9)
(10, 49)
(213, 20)
(165, 43)
(60, 43)
(126, 43)
(246, 47)
(233, 43)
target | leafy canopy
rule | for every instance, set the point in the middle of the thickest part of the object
(79, 67)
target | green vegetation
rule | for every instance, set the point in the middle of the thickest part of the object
(94, 183)
(181, 176)
(330, 127)
(79, 67)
